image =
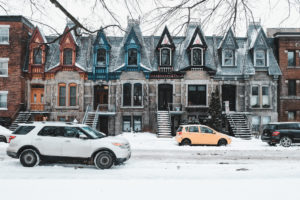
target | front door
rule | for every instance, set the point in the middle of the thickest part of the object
(101, 97)
(37, 98)
(165, 96)
(228, 94)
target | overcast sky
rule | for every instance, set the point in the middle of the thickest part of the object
(270, 12)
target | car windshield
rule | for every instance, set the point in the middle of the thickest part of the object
(93, 133)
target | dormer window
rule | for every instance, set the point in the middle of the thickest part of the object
(260, 58)
(37, 56)
(132, 57)
(228, 57)
(165, 57)
(101, 57)
(197, 57)
(67, 57)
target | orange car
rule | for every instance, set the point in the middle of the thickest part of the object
(200, 134)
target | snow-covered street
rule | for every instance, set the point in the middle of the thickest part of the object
(159, 168)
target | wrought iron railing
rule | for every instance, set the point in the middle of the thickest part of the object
(88, 108)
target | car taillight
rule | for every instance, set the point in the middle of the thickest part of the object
(179, 133)
(11, 138)
(275, 133)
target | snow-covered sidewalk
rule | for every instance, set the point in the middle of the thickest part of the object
(160, 169)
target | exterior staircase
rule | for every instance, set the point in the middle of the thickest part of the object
(238, 125)
(91, 119)
(163, 124)
(22, 117)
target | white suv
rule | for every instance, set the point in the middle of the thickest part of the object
(64, 141)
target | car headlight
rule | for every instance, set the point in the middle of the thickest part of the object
(121, 145)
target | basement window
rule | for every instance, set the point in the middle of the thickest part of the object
(291, 115)
(126, 123)
(137, 123)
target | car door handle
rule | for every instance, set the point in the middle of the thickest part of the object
(67, 141)
(38, 139)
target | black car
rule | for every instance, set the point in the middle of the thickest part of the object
(284, 133)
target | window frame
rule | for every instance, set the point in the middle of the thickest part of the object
(134, 120)
(262, 97)
(6, 94)
(294, 59)
(128, 51)
(64, 56)
(6, 27)
(34, 55)
(98, 56)
(170, 56)
(223, 58)
(72, 85)
(295, 115)
(4, 62)
(188, 95)
(59, 97)
(132, 95)
(128, 119)
(264, 59)
(294, 91)
(192, 56)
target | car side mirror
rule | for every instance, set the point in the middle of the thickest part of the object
(83, 137)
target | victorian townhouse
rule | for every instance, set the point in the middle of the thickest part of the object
(151, 83)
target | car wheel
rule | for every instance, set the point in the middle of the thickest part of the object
(186, 142)
(29, 158)
(286, 141)
(103, 160)
(271, 144)
(222, 142)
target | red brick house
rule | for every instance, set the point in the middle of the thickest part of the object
(287, 42)
(15, 32)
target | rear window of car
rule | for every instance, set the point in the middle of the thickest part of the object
(270, 126)
(179, 129)
(23, 130)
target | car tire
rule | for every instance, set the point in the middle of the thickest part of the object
(29, 158)
(286, 141)
(222, 142)
(104, 160)
(272, 144)
(185, 142)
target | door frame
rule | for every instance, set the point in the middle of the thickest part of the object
(235, 95)
(158, 90)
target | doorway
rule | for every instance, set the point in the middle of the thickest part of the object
(37, 98)
(101, 97)
(229, 94)
(103, 124)
(165, 96)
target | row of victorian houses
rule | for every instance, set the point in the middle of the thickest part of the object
(147, 83)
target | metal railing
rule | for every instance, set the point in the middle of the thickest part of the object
(96, 117)
(175, 106)
(86, 113)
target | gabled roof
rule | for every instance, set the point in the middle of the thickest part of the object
(228, 41)
(165, 39)
(258, 39)
(69, 33)
(101, 39)
(197, 38)
(38, 32)
(132, 38)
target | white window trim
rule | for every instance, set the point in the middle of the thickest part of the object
(260, 96)
(192, 60)
(223, 57)
(187, 97)
(160, 51)
(263, 95)
(4, 60)
(4, 92)
(132, 93)
(266, 60)
(7, 27)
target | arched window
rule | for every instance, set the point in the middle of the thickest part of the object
(137, 94)
(67, 57)
(62, 94)
(132, 57)
(127, 94)
(101, 57)
(72, 94)
(197, 57)
(165, 57)
(37, 56)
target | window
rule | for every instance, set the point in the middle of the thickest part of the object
(62, 94)
(291, 115)
(137, 123)
(137, 94)
(23, 130)
(260, 58)
(126, 123)
(3, 99)
(127, 94)
(255, 123)
(73, 132)
(197, 95)
(37, 56)
(72, 97)
(266, 120)
(291, 58)
(52, 131)
(4, 67)
(265, 96)
(132, 57)
(228, 57)
(165, 57)
(292, 87)
(194, 129)
(197, 57)
(68, 56)
(255, 97)
(206, 130)
(101, 57)
(4, 34)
